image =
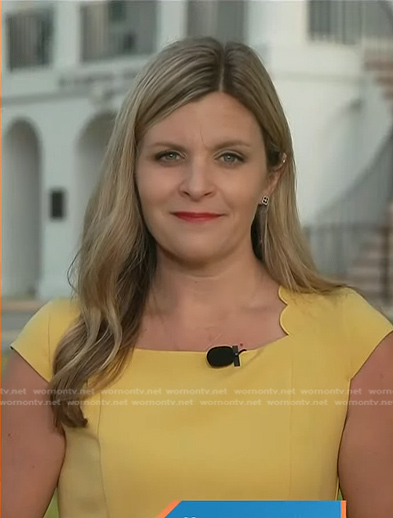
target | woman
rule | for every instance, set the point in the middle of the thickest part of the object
(192, 241)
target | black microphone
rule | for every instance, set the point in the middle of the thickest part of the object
(223, 355)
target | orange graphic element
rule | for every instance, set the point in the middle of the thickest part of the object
(168, 509)
(343, 509)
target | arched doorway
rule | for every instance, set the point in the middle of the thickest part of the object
(90, 153)
(21, 211)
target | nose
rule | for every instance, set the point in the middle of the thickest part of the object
(198, 180)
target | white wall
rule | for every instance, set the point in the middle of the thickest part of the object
(376, 119)
(278, 23)
(320, 89)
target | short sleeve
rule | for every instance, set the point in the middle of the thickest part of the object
(364, 328)
(37, 341)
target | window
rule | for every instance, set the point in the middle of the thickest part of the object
(30, 37)
(336, 21)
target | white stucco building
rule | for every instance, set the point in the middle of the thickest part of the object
(67, 65)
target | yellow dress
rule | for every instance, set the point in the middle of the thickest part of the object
(174, 428)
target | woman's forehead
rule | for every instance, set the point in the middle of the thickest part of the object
(215, 118)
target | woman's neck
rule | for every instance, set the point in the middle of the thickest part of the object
(231, 285)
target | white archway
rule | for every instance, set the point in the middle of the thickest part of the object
(91, 147)
(21, 211)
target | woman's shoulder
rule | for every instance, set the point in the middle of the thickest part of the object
(344, 318)
(340, 300)
(352, 304)
(343, 311)
(62, 308)
(56, 313)
(38, 340)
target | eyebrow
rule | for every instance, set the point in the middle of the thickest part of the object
(226, 143)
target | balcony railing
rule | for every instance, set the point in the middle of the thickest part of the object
(30, 38)
(372, 270)
(351, 22)
(343, 233)
(118, 28)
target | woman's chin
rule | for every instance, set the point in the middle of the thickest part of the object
(194, 257)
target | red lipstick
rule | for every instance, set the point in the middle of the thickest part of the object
(197, 216)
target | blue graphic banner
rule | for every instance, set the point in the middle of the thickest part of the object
(255, 509)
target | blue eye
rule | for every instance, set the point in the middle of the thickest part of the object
(234, 158)
(165, 156)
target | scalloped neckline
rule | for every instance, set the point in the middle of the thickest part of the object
(281, 294)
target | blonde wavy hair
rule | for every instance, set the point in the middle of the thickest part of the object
(116, 259)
